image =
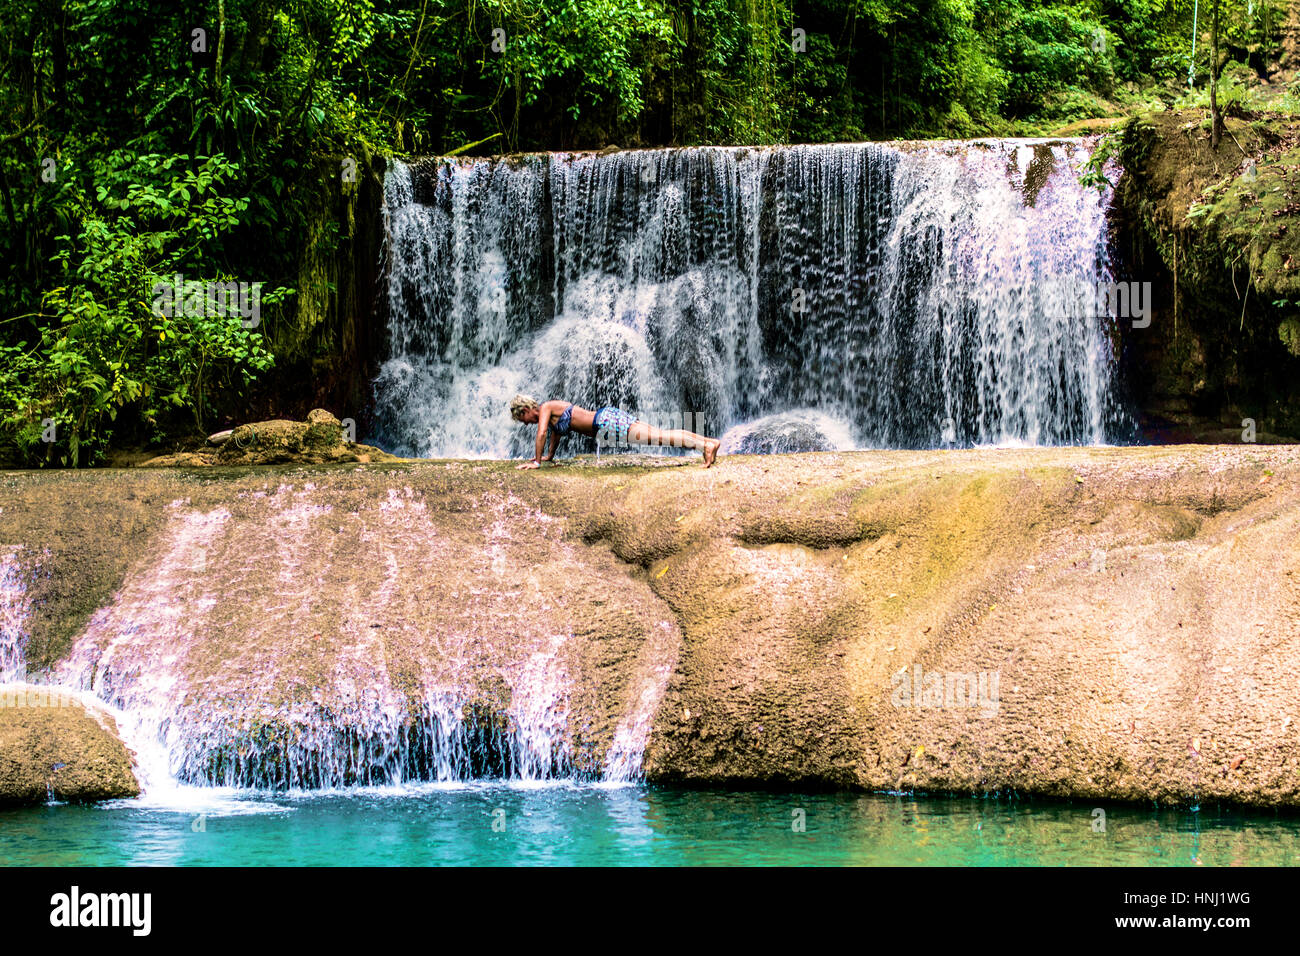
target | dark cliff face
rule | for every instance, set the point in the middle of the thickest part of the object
(326, 353)
(1216, 234)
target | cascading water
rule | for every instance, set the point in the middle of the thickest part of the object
(886, 295)
(802, 297)
(15, 609)
(284, 640)
(24, 689)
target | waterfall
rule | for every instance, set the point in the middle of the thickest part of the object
(653, 669)
(800, 298)
(307, 637)
(15, 609)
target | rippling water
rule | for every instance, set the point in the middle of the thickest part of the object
(480, 824)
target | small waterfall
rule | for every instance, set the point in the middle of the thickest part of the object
(654, 668)
(15, 610)
(32, 691)
(284, 642)
(915, 295)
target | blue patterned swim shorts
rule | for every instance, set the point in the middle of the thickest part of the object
(612, 425)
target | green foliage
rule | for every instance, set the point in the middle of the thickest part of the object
(1053, 50)
(104, 348)
(1108, 148)
(1237, 94)
(607, 48)
(169, 156)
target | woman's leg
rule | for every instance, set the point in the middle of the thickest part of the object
(643, 434)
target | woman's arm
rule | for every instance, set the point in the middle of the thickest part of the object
(543, 426)
(544, 412)
(555, 441)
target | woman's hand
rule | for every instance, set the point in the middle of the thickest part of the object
(529, 464)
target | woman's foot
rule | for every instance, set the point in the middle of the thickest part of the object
(711, 452)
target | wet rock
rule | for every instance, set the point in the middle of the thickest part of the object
(788, 432)
(52, 747)
(1053, 622)
(1056, 621)
(318, 440)
(1194, 220)
(790, 437)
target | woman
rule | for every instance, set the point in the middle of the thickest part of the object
(608, 424)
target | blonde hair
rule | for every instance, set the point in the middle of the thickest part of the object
(520, 404)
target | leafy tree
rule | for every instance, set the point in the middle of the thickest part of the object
(140, 139)
(106, 347)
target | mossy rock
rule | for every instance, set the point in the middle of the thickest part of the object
(1217, 233)
(318, 440)
(52, 748)
(1289, 332)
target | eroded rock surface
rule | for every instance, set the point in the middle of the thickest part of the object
(318, 440)
(51, 747)
(1103, 623)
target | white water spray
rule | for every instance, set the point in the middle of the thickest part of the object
(15, 609)
(921, 295)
